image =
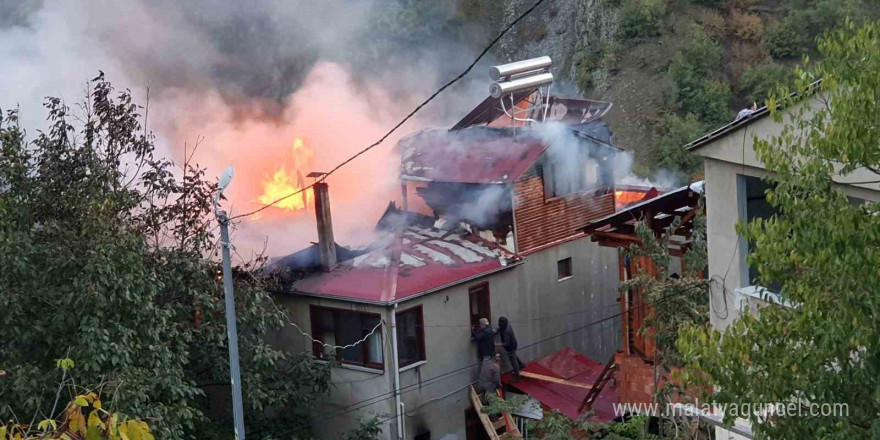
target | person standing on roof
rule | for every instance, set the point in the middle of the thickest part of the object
(508, 340)
(746, 111)
(485, 338)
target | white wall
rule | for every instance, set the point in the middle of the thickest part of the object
(538, 306)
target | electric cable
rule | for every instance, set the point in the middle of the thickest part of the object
(423, 383)
(408, 116)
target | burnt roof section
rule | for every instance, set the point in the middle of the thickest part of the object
(404, 264)
(393, 218)
(662, 210)
(309, 259)
(470, 155)
(489, 110)
(484, 155)
(569, 111)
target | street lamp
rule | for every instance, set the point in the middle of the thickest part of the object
(231, 331)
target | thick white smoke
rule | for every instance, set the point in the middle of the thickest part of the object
(248, 78)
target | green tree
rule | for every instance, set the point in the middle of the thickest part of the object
(795, 35)
(822, 248)
(107, 253)
(693, 71)
(639, 19)
(670, 154)
(85, 417)
(676, 302)
(757, 83)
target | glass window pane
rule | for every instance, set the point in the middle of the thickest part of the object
(410, 347)
(350, 329)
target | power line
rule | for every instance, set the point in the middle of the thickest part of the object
(407, 117)
(403, 390)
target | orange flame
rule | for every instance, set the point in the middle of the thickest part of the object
(283, 183)
(624, 197)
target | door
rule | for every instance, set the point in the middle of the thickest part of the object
(479, 304)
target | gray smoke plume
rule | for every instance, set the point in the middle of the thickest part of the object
(249, 77)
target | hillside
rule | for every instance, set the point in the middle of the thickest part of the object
(673, 69)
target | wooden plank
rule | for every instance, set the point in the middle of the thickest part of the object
(555, 380)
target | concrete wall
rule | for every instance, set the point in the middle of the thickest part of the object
(350, 385)
(725, 159)
(539, 307)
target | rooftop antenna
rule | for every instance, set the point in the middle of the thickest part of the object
(532, 74)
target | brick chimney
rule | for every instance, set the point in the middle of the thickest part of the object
(326, 244)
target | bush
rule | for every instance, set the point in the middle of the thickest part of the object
(692, 71)
(758, 83)
(670, 154)
(796, 34)
(788, 39)
(640, 19)
(748, 27)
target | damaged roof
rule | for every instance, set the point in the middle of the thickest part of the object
(470, 155)
(404, 263)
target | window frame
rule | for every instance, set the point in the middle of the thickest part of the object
(317, 333)
(476, 289)
(570, 265)
(547, 171)
(420, 330)
(746, 272)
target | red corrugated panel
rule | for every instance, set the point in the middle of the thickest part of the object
(570, 365)
(425, 259)
(471, 155)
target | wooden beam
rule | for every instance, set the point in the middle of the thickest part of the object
(555, 380)
(616, 236)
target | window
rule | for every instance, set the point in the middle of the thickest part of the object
(563, 269)
(564, 176)
(755, 205)
(410, 336)
(343, 327)
(479, 304)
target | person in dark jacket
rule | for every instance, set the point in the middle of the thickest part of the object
(508, 340)
(489, 379)
(485, 338)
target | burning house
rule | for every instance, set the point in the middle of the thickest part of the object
(489, 223)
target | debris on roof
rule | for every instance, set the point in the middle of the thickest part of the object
(472, 155)
(407, 262)
(309, 259)
(573, 111)
(571, 366)
(618, 229)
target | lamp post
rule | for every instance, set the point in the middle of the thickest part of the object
(231, 330)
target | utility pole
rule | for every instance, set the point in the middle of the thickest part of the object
(231, 329)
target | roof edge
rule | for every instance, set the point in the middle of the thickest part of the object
(742, 122)
(296, 292)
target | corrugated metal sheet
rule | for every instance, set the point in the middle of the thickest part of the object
(405, 263)
(471, 155)
(570, 365)
(540, 222)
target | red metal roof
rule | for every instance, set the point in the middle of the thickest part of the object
(405, 263)
(470, 155)
(570, 365)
